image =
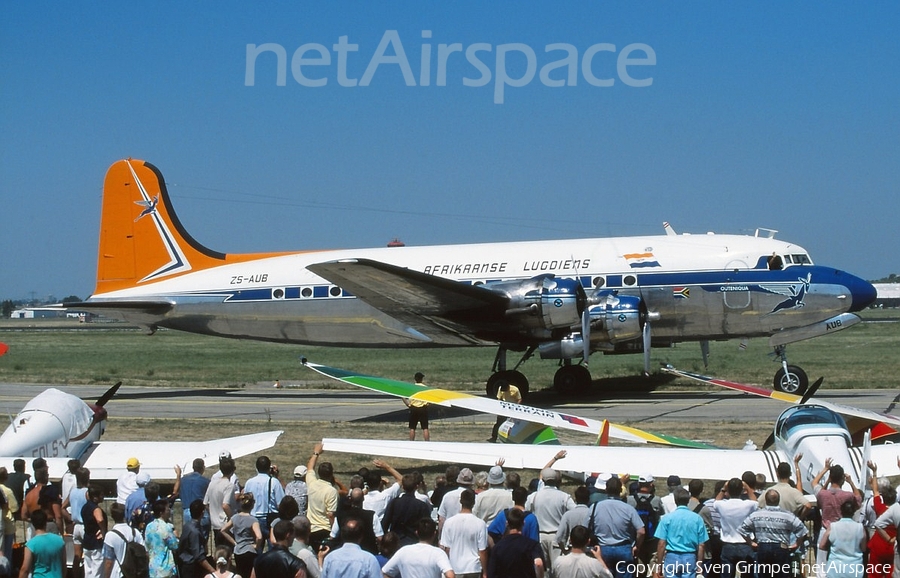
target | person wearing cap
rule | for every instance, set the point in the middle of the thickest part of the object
(225, 457)
(510, 394)
(418, 412)
(619, 530)
(450, 505)
(549, 505)
(673, 482)
(297, 488)
(127, 482)
(649, 507)
(494, 499)
(136, 498)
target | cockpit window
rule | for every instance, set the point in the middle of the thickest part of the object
(800, 259)
(775, 263)
(807, 416)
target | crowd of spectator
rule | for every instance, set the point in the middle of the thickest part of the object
(384, 523)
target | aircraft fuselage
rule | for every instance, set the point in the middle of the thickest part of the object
(703, 287)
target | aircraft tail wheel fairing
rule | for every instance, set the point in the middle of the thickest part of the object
(516, 378)
(572, 379)
(794, 380)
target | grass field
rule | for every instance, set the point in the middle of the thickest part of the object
(69, 353)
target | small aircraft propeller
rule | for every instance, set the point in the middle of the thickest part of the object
(108, 395)
(811, 390)
(586, 334)
(585, 302)
(646, 336)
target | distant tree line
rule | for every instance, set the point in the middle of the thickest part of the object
(892, 278)
(7, 306)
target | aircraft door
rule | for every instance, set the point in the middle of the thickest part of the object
(736, 297)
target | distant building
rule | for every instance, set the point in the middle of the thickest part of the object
(38, 313)
(888, 295)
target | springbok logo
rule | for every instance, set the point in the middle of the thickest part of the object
(178, 263)
(795, 292)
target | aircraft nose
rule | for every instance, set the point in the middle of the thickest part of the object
(862, 292)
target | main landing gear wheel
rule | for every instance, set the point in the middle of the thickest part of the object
(512, 377)
(794, 380)
(572, 379)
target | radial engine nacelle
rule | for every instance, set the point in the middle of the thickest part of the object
(545, 302)
(614, 319)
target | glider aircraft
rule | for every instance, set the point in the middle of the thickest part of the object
(526, 424)
(563, 299)
(817, 431)
(58, 426)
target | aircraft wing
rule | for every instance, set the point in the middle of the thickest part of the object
(424, 302)
(858, 420)
(711, 464)
(106, 460)
(459, 399)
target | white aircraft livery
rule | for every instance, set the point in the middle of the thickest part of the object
(563, 299)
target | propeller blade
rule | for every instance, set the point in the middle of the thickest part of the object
(646, 338)
(108, 395)
(704, 352)
(586, 334)
(811, 390)
(770, 441)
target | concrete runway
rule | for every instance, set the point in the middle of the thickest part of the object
(288, 404)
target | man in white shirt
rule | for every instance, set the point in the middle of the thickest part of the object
(115, 540)
(422, 559)
(464, 539)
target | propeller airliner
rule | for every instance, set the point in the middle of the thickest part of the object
(563, 299)
(59, 426)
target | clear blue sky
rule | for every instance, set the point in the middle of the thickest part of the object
(759, 114)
